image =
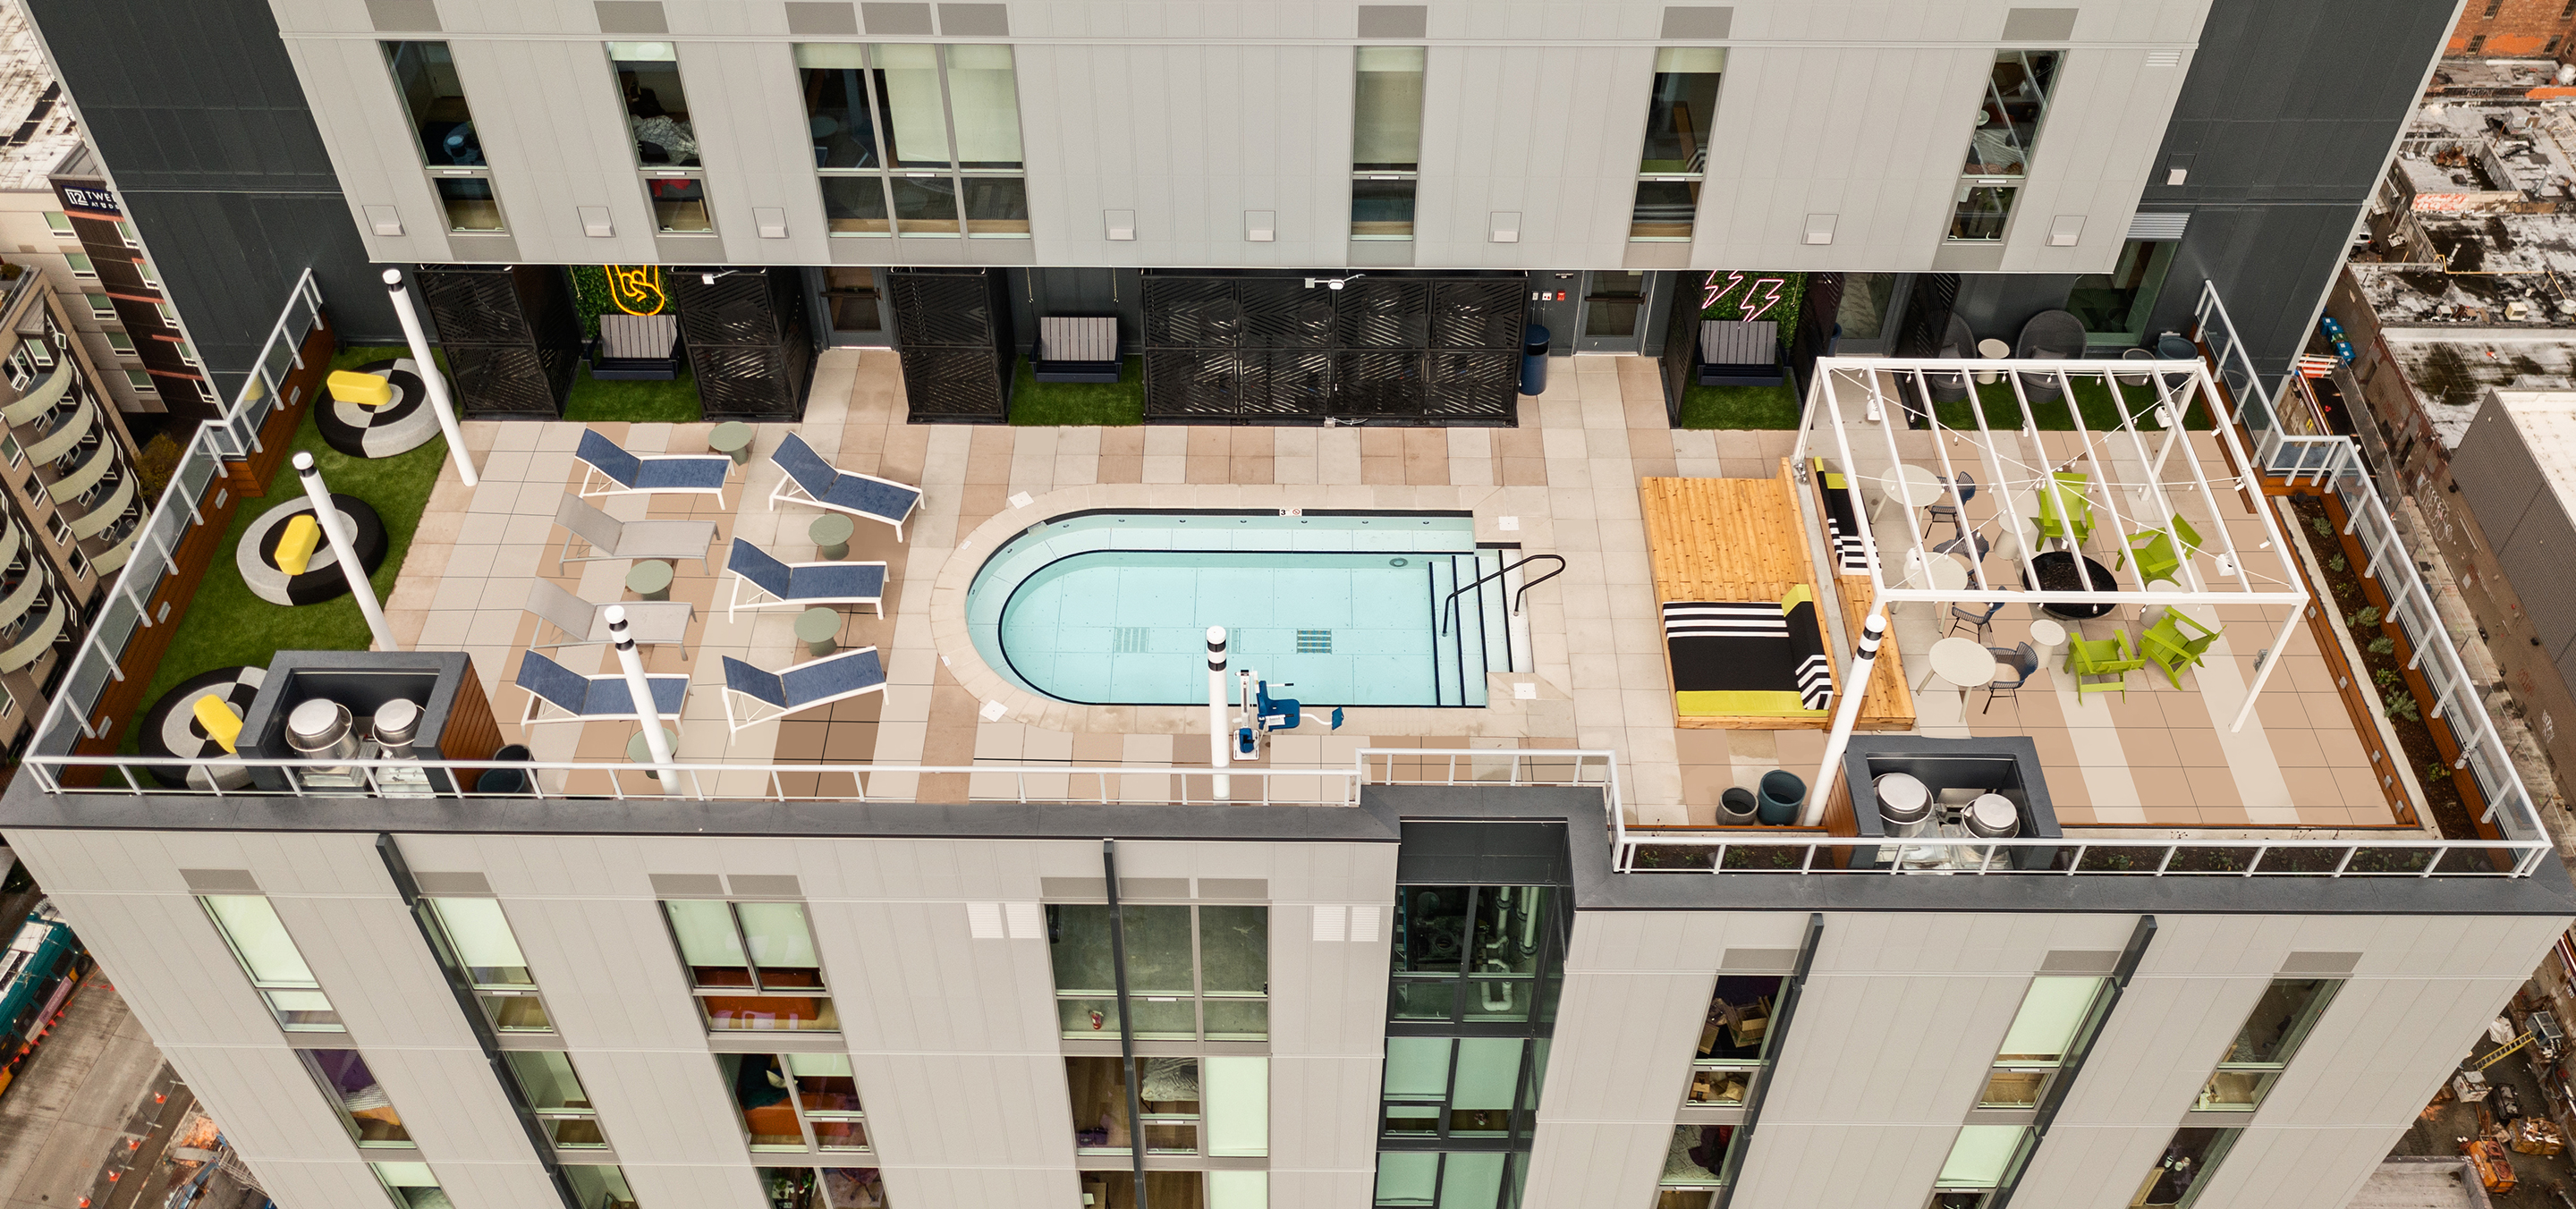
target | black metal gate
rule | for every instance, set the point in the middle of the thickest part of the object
(747, 340)
(512, 339)
(953, 334)
(1417, 349)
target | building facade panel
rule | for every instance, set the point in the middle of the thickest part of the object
(1548, 132)
(1843, 1164)
(664, 1107)
(2092, 1166)
(556, 137)
(373, 149)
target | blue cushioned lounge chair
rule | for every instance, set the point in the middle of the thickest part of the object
(609, 470)
(773, 584)
(578, 698)
(811, 480)
(769, 696)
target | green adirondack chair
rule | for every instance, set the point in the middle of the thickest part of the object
(2064, 512)
(2167, 645)
(2112, 657)
(2156, 556)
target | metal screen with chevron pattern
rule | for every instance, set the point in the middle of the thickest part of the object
(1425, 349)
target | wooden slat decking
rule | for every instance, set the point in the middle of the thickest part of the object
(1744, 539)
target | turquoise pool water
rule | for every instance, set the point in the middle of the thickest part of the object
(1113, 609)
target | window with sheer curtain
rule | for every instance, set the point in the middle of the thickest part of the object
(268, 955)
(752, 965)
(478, 937)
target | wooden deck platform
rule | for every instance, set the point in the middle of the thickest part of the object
(1744, 539)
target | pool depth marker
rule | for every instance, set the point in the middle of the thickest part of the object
(1219, 738)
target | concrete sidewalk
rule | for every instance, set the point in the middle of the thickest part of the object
(75, 1105)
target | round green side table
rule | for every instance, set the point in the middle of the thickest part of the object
(820, 630)
(831, 533)
(650, 579)
(638, 753)
(732, 439)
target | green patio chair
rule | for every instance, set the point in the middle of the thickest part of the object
(2112, 657)
(2171, 649)
(2064, 512)
(2188, 536)
(2156, 557)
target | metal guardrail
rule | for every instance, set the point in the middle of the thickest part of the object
(232, 437)
(1157, 784)
(1804, 851)
(2335, 463)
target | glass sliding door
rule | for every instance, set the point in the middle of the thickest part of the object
(1613, 318)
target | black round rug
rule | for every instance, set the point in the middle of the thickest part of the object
(170, 727)
(321, 580)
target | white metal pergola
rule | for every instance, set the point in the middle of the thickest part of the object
(1857, 413)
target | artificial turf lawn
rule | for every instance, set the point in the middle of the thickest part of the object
(226, 626)
(672, 402)
(1740, 406)
(1067, 404)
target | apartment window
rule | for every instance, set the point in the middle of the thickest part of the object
(1205, 1106)
(80, 265)
(1999, 149)
(2493, 7)
(168, 313)
(61, 532)
(60, 224)
(479, 941)
(1982, 1159)
(1694, 1166)
(432, 94)
(2114, 306)
(1679, 114)
(470, 204)
(78, 561)
(666, 141)
(412, 1185)
(139, 380)
(1474, 954)
(553, 1091)
(8, 702)
(752, 965)
(2044, 1032)
(1192, 971)
(2179, 1175)
(916, 140)
(599, 1186)
(2478, 44)
(822, 1187)
(259, 941)
(11, 449)
(143, 268)
(1451, 1180)
(361, 1102)
(187, 353)
(1386, 141)
(1735, 1040)
(2264, 1046)
(796, 1101)
(1462, 1087)
(101, 306)
(120, 343)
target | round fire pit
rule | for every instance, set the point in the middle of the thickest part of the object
(2056, 570)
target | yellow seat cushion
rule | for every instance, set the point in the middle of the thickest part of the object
(295, 547)
(365, 390)
(222, 725)
(1767, 703)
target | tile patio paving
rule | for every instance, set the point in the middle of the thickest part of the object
(1569, 473)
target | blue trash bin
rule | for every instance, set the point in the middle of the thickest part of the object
(1534, 361)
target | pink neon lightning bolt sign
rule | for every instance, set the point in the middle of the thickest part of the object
(1764, 291)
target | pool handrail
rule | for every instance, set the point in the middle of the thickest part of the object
(1449, 610)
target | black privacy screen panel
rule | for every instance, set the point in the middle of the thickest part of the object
(1416, 349)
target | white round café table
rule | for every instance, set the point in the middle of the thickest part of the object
(2046, 635)
(1963, 663)
(1991, 350)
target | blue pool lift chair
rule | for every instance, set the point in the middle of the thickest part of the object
(573, 697)
(768, 696)
(609, 470)
(814, 482)
(772, 584)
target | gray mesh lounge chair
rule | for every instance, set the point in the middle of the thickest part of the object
(609, 470)
(774, 584)
(584, 623)
(578, 698)
(768, 696)
(603, 536)
(2049, 336)
(811, 480)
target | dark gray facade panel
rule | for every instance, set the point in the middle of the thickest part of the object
(630, 16)
(822, 18)
(404, 16)
(1698, 22)
(2039, 24)
(2282, 150)
(2540, 563)
(209, 138)
(882, 19)
(1394, 20)
(2496, 474)
(975, 20)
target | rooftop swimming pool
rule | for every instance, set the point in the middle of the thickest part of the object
(1113, 608)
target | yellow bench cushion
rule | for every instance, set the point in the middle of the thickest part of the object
(295, 547)
(1742, 703)
(365, 390)
(222, 725)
